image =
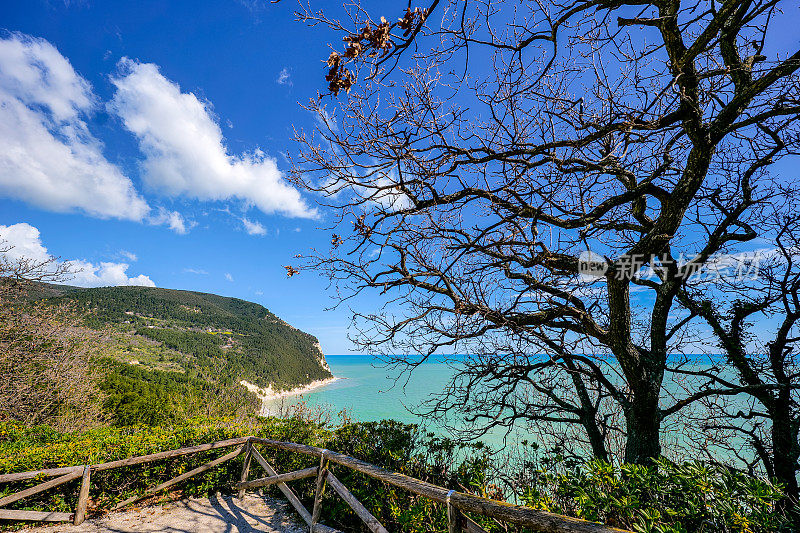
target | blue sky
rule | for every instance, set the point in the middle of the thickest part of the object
(145, 142)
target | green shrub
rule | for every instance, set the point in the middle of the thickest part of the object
(665, 497)
(393, 445)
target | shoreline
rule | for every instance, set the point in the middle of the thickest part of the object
(267, 394)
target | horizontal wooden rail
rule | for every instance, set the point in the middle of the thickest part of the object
(539, 521)
(34, 516)
(47, 472)
(532, 519)
(171, 453)
(23, 476)
(280, 478)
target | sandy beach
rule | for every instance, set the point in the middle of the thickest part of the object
(268, 394)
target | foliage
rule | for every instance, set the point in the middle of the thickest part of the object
(229, 339)
(138, 396)
(665, 497)
(45, 364)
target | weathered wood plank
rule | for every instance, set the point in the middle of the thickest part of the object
(372, 523)
(538, 521)
(182, 477)
(11, 498)
(322, 473)
(83, 497)
(34, 516)
(280, 478)
(471, 526)
(455, 519)
(245, 467)
(170, 453)
(24, 476)
(291, 496)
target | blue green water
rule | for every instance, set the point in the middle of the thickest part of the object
(368, 392)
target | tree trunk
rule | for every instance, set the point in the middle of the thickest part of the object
(785, 451)
(643, 444)
(596, 440)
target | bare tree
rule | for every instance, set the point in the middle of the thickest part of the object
(481, 155)
(753, 394)
(44, 353)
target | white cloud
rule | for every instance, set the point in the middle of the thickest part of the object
(105, 274)
(198, 271)
(228, 276)
(185, 152)
(25, 242)
(285, 77)
(48, 157)
(253, 227)
(172, 219)
(130, 256)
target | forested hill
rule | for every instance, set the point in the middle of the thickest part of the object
(227, 338)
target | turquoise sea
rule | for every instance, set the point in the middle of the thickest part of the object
(367, 391)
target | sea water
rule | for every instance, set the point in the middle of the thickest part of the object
(369, 391)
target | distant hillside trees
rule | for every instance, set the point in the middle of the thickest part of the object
(263, 349)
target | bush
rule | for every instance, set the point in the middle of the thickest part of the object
(665, 497)
(395, 446)
(668, 497)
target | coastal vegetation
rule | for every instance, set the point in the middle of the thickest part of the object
(231, 338)
(579, 205)
(662, 497)
(133, 355)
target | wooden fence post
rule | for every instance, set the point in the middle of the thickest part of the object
(248, 456)
(454, 517)
(372, 523)
(83, 497)
(321, 475)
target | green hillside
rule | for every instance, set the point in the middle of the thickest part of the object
(202, 335)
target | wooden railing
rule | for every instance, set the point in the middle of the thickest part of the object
(457, 503)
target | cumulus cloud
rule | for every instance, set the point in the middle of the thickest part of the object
(228, 276)
(184, 150)
(48, 157)
(105, 274)
(25, 242)
(254, 227)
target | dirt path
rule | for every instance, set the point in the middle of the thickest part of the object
(217, 514)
